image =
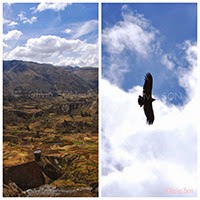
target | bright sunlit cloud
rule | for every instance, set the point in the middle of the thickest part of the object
(12, 35)
(55, 50)
(50, 6)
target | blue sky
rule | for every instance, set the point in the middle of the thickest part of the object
(72, 27)
(141, 160)
(171, 26)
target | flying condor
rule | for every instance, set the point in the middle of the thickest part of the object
(146, 100)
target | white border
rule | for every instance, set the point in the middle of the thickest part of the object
(100, 72)
(100, 114)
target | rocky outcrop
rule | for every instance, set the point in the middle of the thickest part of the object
(28, 175)
(47, 166)
(32, 178)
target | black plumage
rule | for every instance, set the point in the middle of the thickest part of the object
(146, 100)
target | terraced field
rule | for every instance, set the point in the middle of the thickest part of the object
(65, 131)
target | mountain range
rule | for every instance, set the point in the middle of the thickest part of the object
(27, 77)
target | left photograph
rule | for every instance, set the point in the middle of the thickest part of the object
(50, 100)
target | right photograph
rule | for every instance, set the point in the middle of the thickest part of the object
(149, 98)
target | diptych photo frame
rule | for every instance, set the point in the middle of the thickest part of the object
(100, 99)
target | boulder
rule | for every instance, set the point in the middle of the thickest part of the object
(26, 176)
(31, 174)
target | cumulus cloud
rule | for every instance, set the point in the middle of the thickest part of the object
(56, 50)
(12, 35)
(26, 20)
(85, 28)
(10, 23)
(143, 160)
(50, 6)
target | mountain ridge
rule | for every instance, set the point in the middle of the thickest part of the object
(28, 77)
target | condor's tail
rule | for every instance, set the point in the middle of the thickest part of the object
(140, 101)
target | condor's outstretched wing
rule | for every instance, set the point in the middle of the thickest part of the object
(148, 110)
(148, 84)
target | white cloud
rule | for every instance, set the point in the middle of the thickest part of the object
(133, 34)
(184, 74)
(5, 45)
(50, 6)
(143, 160)
(67, 31)
(12, 35)
(10, 23)
(85, 28)
(26, 20)
(168, 63)
(56, 50)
